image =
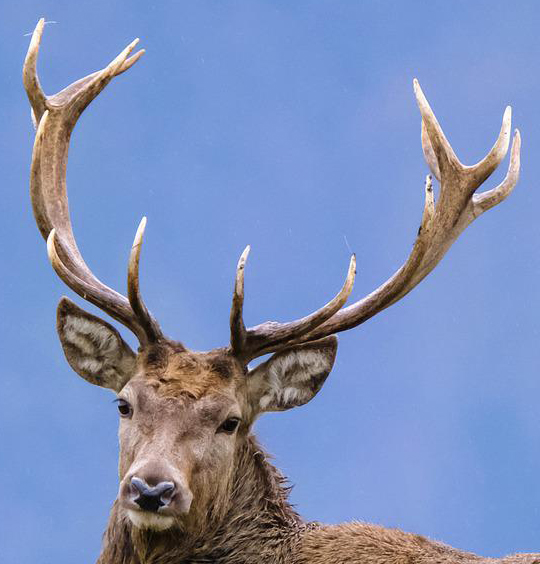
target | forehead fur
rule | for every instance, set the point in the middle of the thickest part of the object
(173, 371)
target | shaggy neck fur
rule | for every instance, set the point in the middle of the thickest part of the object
(257, 525)
(257, 508)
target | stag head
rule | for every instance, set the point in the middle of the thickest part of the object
(185, 416)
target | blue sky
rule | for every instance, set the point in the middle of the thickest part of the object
(290, 126)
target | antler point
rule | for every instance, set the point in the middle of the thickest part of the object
(243, 257)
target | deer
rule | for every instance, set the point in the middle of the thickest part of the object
(195, 486)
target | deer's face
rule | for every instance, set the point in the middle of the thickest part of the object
(181, 417)
(183, 414)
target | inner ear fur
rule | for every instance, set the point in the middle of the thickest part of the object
(291, 377)
(93, 347)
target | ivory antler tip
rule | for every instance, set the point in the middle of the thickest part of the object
(140, 232)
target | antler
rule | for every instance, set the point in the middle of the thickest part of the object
(441, 225)
(270, 336)
(56, 117)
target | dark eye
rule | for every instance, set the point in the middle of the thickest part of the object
(229, 425)
(124, 408)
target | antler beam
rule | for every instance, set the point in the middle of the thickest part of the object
(55, 117)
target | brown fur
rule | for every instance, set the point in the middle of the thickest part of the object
(260, 526)
(238, 511)
(173, 371)
(256, 508)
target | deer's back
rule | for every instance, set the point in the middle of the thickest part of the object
(360, 543)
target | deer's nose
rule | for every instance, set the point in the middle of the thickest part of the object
(151, 498)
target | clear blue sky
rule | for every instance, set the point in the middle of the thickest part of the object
(292, 126)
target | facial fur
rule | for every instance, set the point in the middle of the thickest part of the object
(179, 400)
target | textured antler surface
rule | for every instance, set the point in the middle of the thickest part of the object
(442, 223)
(272, 336)
(56, 117)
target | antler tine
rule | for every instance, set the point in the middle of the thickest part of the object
(56, 117)
(486, 167)
(238, 329)
(149, 324)
(442, 223)
(486, 200)
(38, 100)
(272, 336)
(439, 149)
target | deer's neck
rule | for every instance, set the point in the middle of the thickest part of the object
(258, 524)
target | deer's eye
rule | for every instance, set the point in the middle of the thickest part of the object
(229, 426)
(124, 408)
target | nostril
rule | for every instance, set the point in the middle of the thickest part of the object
(138, 486)
(151, 498)
(167, 492)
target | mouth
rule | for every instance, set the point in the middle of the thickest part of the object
(150, 520)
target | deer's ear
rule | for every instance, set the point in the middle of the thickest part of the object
(291, 377)
(93, 348)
